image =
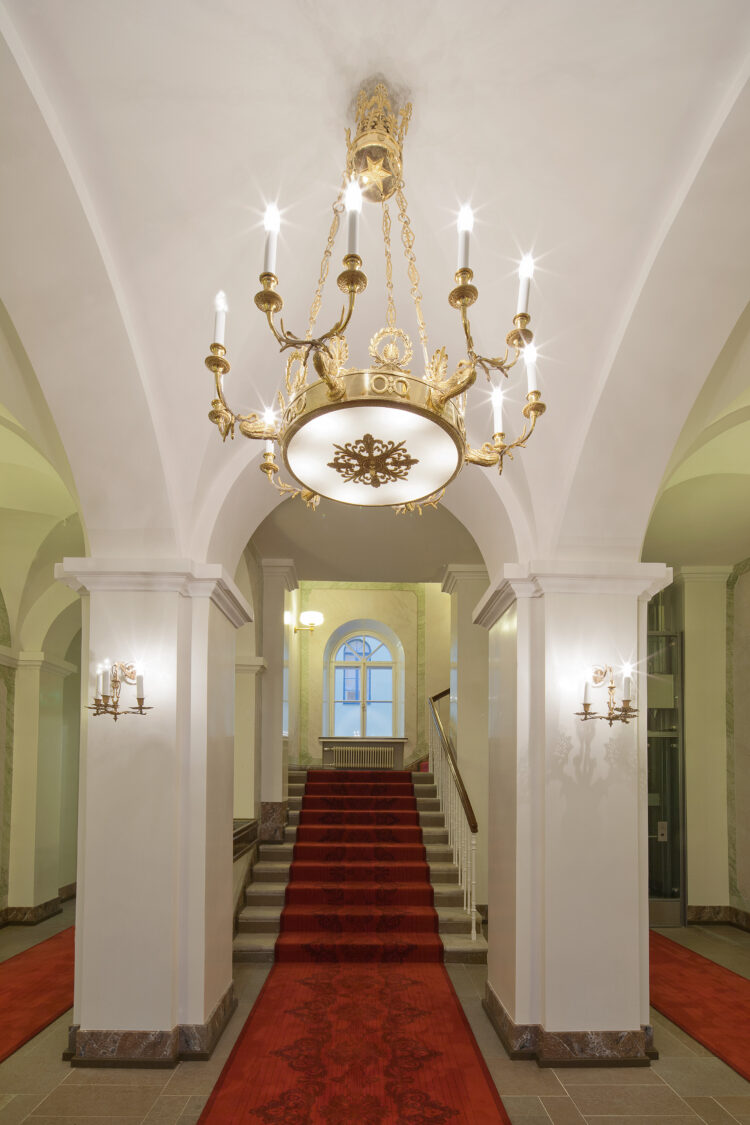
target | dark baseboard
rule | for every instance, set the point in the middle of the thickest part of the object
(568, 1048)
(150, 1049)
(30, 915)
(719, 916)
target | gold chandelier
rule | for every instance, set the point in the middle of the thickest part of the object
(379, 435)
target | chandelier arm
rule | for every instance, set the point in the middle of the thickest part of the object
(418, 506)
(461, 379)
(271, 470)
(486, 455)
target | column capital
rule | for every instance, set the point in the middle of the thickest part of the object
(462, 572)
(180, 576)
(283, 569)
(536, 578)
(253, 664)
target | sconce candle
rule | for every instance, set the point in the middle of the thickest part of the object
(627, 690)
(587, 692)
(106, 685)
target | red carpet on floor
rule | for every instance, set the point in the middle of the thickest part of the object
(36, 987)
(356, 1045)
(709, 1002)
(359, 884)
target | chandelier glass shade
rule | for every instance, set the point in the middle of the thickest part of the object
(379, 434)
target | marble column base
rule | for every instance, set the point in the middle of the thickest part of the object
(566, 1048)
(153, 1049)
(30, 915)
(718, 915)
(273, 817)
(67, 892)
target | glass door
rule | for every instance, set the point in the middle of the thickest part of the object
(666, 852)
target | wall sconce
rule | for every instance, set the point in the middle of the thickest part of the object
(309, 620)
(109, 682)
(614, 713)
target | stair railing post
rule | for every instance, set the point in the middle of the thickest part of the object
(473, 886)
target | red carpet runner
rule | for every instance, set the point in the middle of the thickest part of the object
(709, 1002)
(356, 1045)
(359, 886)
(35, 988)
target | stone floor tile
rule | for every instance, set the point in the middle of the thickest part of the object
(608, 1076)
(737, 1106)
(671, 1045)
(461, 981)
(696, 1048)
(166, 1109)
(709, 1110)
(18, 1107)
(193, 1109)
(534, 1119)
(524, 1107)
(640, 1119)
(98, 1101)
(192, 1079)
(116, 1076)
(562, 1111)
(4, 1099)
(700, 1077)
(28, 1076)
(647, 1101)
(519, 1077)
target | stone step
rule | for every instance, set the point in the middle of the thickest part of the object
(297, 777)
(447, 895)
(278, 853)
(430, 835)
(458, 948)
(277, 871)
(267, 919)
(296, 790)
(426, 819)
(257, 919)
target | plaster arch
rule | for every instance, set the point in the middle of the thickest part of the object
(42, 615)
(62, 293)
(63, 638)
(694, 288)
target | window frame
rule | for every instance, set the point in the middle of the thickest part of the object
(362, 666)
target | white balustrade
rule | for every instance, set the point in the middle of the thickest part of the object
(461, 838)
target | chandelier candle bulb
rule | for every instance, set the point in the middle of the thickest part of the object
(271, 224)
(465, 226)
(529, 355)
(353, 201)
(220, 317)
(269, 446)
(497, 411)
(525, 274)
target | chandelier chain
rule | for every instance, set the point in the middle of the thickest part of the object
(407, 238)
(391, 312)
(338, 208)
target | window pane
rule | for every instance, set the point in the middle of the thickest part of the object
(379, 720)
(285, 719)
(346, 684)
(380, 683)
(347, 720)
(346, 652)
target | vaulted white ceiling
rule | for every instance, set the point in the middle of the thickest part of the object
(145, 137)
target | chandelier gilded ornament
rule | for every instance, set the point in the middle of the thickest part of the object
(381, 434)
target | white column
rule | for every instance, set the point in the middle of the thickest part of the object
(568, 886)
(154, 902)
(704, 621)
(279, 579)
(246, 749)
(469, 680)
(34, 867)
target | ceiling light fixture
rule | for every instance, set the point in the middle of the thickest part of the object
(381, 434)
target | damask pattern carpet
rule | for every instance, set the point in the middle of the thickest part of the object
(359, 885)
(379, 1037)
(36, 987)
(709, 1002)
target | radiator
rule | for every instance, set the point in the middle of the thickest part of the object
(357, 756)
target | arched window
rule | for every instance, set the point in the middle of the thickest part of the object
(363, 699)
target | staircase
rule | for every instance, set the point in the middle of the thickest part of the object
(259, 921)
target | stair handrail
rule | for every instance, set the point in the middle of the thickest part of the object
(454, 799)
